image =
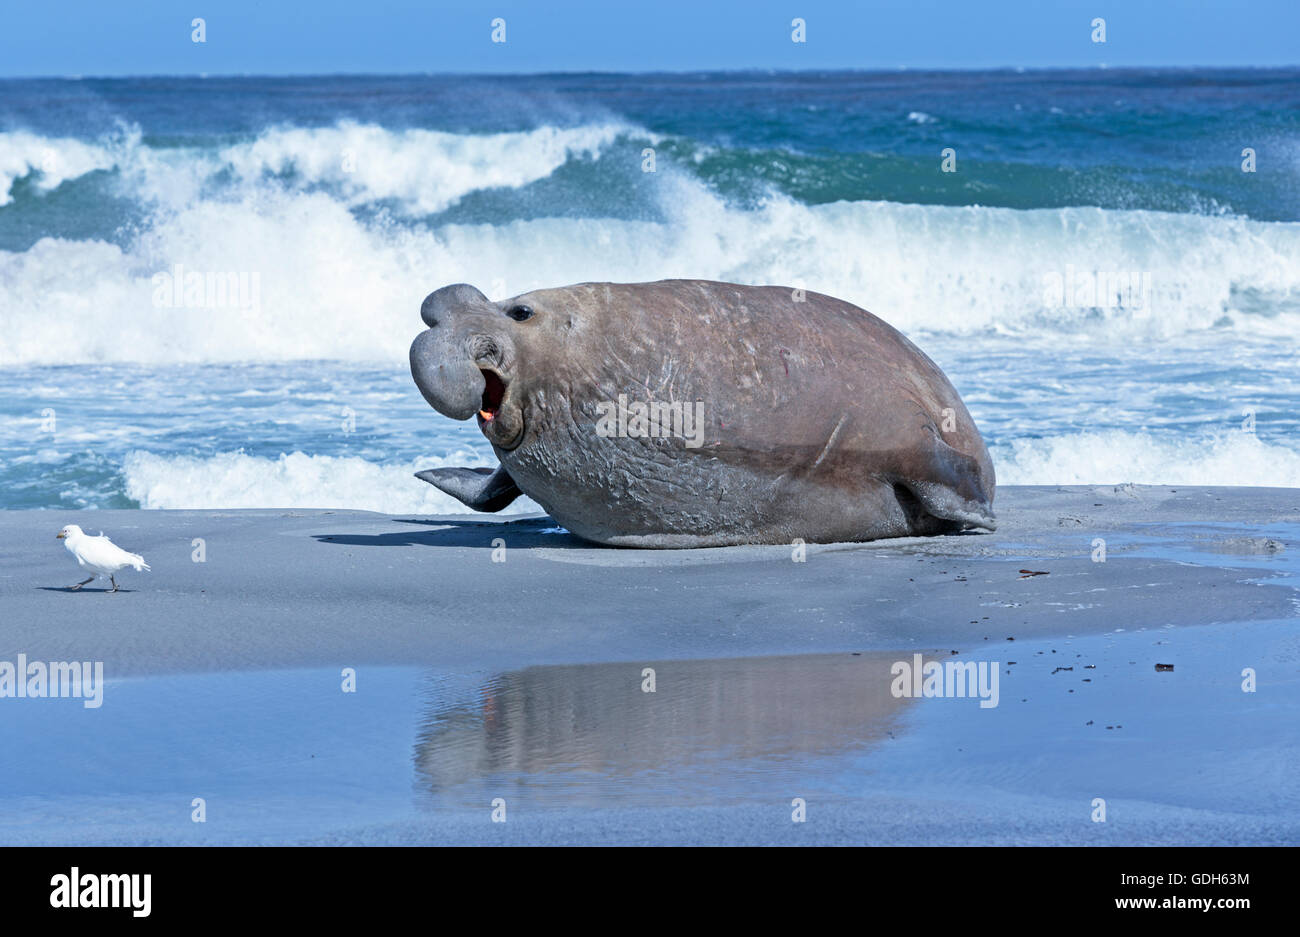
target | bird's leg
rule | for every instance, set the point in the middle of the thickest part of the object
(114, 582)
(82, 583)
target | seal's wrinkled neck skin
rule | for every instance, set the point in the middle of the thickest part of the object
(464, 363)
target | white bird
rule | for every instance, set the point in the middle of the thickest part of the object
(99, 555)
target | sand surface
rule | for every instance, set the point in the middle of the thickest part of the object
(523, 680)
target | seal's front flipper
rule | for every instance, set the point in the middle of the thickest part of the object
(482, 489)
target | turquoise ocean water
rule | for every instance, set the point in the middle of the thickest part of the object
(343, 201)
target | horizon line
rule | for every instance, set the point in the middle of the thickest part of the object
(754, 70)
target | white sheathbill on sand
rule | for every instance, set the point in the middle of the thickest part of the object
(98, 555)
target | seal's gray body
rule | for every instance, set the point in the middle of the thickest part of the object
(820, 421)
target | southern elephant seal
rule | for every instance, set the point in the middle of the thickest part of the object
(689, 413)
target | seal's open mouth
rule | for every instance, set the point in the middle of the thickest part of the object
(494, 391)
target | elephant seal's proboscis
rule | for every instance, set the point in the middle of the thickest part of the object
(690, 413)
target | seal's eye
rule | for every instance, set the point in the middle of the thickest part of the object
(520, 313)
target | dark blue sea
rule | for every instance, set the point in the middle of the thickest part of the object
(1110, 272)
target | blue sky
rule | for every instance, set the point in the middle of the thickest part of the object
(136, 37)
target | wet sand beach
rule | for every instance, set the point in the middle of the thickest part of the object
(509, 662)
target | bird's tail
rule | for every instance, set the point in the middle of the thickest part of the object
(137, 561)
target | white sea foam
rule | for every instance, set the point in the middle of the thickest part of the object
(53, 160)
(421, 171)
(294, 480)
(418, 171)
(1118, 456)
(334, 285)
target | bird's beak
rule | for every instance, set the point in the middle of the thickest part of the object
(59, 535)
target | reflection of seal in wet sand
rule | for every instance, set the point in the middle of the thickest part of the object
(591, 721)
(820, 421)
